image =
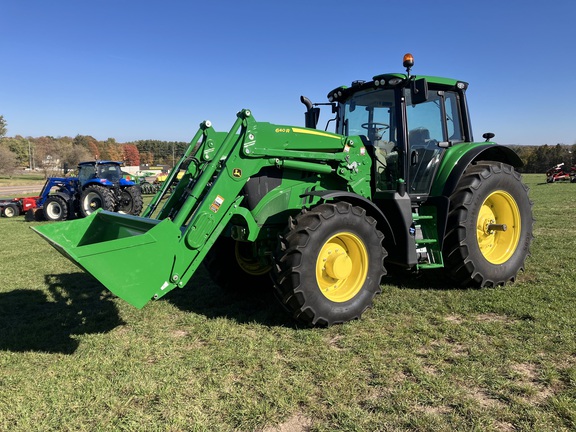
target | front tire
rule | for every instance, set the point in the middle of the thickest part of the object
(55, 209)
(489, 226)
(234, 266)
(329, 264)
(95, 197)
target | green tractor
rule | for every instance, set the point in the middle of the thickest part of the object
(320, 217)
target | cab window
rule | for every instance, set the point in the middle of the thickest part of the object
(429, 123)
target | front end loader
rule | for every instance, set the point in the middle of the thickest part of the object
(318, 216)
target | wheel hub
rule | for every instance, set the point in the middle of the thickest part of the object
(498, 227)
(338, 265)
(341, 267)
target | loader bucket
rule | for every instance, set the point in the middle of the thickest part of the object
(131, 256)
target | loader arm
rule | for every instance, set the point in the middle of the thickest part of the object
(143, 258)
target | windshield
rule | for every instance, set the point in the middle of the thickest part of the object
(369, 113)
(110, 172)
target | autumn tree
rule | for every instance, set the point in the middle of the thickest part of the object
(90, 143)
(146, 157)
(113, 149)
(131, 155)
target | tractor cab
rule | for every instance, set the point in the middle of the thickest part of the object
(407, 122)
(102, 172)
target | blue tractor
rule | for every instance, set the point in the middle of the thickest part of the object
(99, 184)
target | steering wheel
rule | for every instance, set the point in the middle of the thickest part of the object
(375, 125)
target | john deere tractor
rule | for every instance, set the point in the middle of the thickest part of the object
(319, 217)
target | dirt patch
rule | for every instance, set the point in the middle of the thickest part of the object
(296, 423)
(484, 399)
(456, 319)
(433, 410)
(179, 333)
(525, 370)
(527, 377)
(334, 343)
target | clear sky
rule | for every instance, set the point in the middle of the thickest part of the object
(145, 69)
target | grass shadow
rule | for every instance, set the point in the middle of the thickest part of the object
(76, 304)
(244, 305)
(259, 304)
(432, 279)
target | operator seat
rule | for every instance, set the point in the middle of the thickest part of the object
(426, 159)
(386, 159)
(418, 137)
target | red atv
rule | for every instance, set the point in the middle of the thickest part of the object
(560, 173)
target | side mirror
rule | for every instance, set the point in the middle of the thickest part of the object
(419, 91)
(488, 136)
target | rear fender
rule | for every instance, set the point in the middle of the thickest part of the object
(126, 183)
(459, 157)
(65, 195)
(98, 182)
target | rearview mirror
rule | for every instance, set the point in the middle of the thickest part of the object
(419, 91)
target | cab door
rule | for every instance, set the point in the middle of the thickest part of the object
(432, 126)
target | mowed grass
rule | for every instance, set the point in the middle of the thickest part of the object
(426, 357)
(23, 180)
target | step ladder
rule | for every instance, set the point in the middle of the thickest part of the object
(425, 224)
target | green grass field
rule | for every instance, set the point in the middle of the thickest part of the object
(20, 180)
(427, 357)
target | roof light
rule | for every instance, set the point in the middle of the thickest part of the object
(408, 62)
(395, 81)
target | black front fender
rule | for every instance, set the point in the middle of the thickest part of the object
(358, 200)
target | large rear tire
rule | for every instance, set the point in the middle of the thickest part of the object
(130, 201)
(95, 197)
(489, 226)
(55, 209)
(329, 264)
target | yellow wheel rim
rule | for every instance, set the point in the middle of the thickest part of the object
(498, 227)
(247, 261)
(342, 267)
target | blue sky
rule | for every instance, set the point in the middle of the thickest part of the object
(143, 69)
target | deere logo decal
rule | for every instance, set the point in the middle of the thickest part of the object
(237, 172)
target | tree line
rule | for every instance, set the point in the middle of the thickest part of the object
(48, 153)
(539, 159)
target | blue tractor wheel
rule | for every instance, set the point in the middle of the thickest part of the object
(95, 197)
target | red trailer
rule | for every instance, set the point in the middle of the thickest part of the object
(10, 207)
